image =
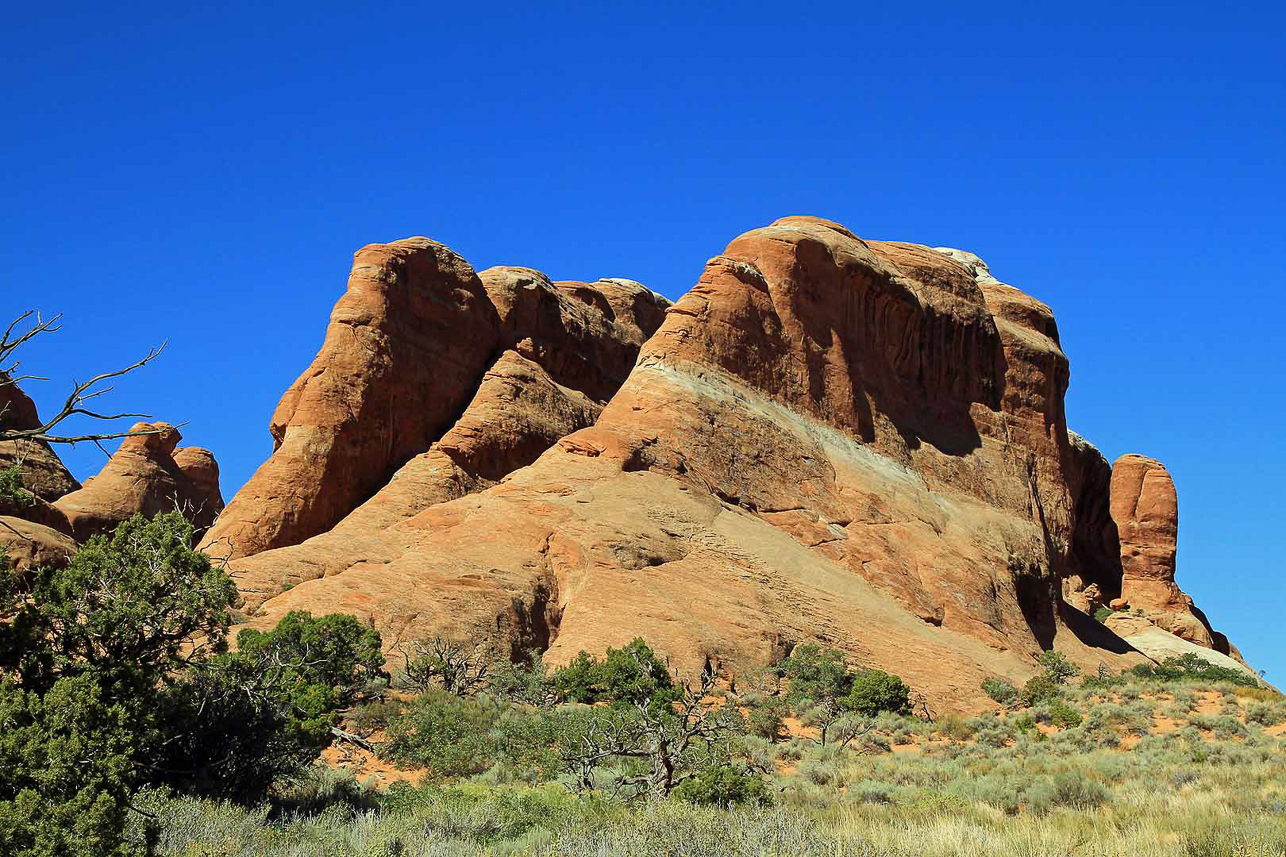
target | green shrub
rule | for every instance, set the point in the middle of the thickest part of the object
(875, 691)
(625, 676)
(1058, 669)
(12, 493)
(956, 727)
(373, 716)
(1103, 679)
(1000, 690)
(447, 735)
(1026, 724)
(1192, 668)
(1037, 690)
(1062, 714)
(1069, 790)
(814, 674)
(526, 681)
(725, 786)
(766, 718)
(1265, 713)
(86, 671)
(1102, 613)
(251, 717)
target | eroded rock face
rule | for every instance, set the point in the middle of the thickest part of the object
(404, 350)
(1094, 562)
(145, 475)
(1145, 508)
(856, 442)
(567, 349)
(27, 545)
(43, 473)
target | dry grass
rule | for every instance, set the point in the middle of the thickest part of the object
(1130, 780)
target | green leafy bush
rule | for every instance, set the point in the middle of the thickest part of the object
(1062, 714)
(625, 676)
(452, 737)
(249, 718)
(1192, 668)
(526, 681)
(875, 691)
(767, 718)
(814, 674)
(88, 664)
(447, 735)
(723, 785)
(1058, 669)
(12, 493)
(1000, 690)
(1037, 690)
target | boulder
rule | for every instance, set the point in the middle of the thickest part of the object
(145, 476)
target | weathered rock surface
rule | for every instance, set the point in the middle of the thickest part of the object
(405, 347)
(568, 348)
(27, 545)
(832, 439)
(43, 473)
(1145, 508)
(1094, 562)
(146, 474)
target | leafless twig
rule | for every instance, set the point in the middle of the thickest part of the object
(81, 394)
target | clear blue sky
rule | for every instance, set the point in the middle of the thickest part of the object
(204, 174)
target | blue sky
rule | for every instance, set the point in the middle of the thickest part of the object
(204, 174)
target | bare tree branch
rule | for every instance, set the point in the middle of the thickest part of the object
(80, 393)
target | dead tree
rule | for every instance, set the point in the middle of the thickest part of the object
(678, 740)
(76, 403)
(459, 668)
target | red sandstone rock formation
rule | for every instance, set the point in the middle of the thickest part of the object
(27, 545)
(405, 347)
(857, 442)
(1145, 508)
(148, 475)
(567, 349)
(43, 473)
(1094, 561)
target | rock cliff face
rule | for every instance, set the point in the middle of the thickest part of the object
(405, 346)
(857, 442)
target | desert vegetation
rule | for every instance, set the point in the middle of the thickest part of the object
(130, 727)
